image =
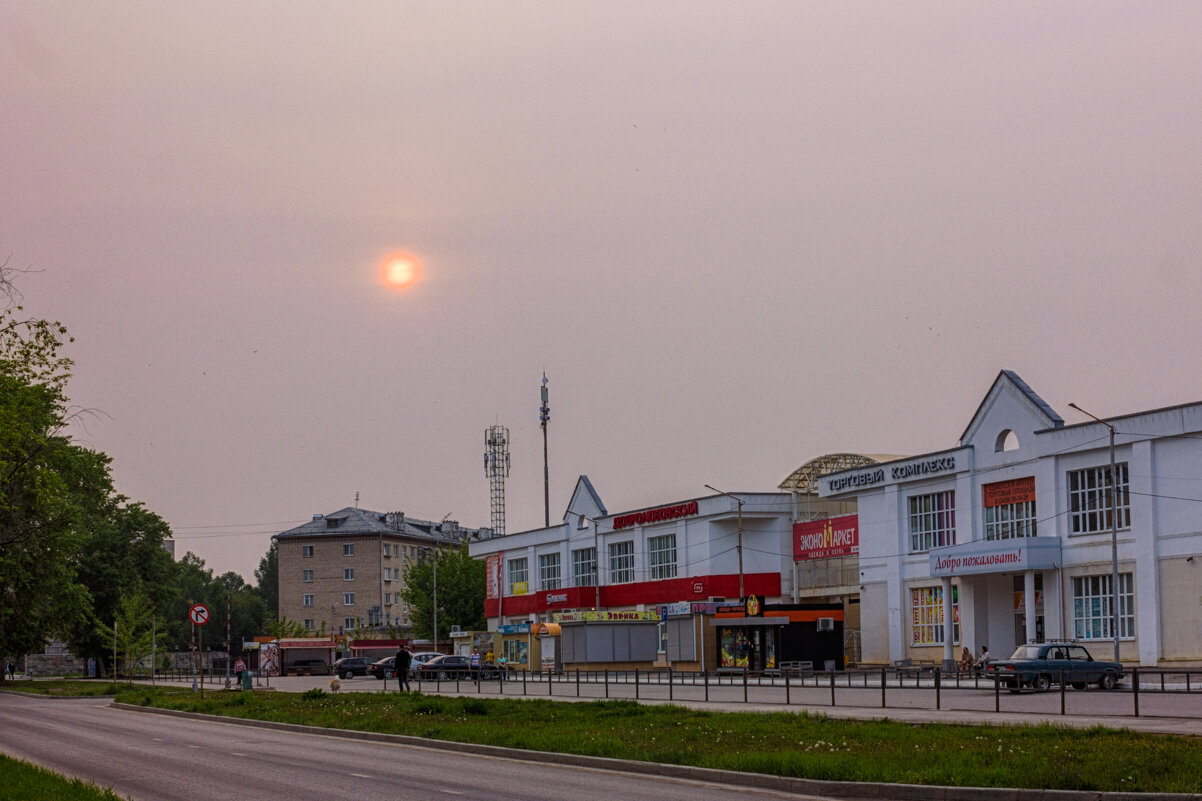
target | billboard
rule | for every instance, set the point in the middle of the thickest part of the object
(820, 539)
(492, 567)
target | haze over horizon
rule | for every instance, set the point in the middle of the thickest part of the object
(734, 237)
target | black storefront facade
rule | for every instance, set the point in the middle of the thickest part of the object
(758, 637)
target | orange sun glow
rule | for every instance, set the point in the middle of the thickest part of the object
(400, 271)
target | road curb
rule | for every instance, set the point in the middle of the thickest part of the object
(834, 789)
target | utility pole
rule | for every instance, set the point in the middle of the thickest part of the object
(1114, 536)
(544, 415)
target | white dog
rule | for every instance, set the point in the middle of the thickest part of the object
(335, 685)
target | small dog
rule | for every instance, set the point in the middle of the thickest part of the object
(335, 685)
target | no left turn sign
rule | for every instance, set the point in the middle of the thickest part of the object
(199, 614)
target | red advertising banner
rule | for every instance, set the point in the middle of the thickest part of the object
(820, 539)
(1004, 493)
(492, 567)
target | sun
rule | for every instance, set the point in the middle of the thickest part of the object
(400, 271)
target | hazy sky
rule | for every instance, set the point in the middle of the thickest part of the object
(735, 236)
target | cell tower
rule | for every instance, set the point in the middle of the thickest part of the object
(496, 467)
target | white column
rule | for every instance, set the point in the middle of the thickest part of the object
(1029, 603)
(1141, 547)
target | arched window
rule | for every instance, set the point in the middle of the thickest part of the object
(1006, 441)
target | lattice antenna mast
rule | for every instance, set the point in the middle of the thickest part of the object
(496, 467)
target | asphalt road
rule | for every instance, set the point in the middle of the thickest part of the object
(152, 757)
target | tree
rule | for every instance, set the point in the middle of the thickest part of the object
(461, 581)
(267, 578)
(47, 484)
(131, 634)
(121, 555)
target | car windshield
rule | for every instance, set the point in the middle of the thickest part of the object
(1025, 652)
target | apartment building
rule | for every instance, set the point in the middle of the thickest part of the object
(345, 571)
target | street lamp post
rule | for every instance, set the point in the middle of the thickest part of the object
(738, 501)
(1114, 535)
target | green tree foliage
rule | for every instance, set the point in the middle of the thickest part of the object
(194, 583)
(47, 484)
(461, 582)
(130, 635)
(267, 579)
(121, 556)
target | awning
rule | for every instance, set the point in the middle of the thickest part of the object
(749, 621)
(548, 630)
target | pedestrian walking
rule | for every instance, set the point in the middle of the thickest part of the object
(403, 660)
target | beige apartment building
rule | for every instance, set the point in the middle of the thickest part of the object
(345, 572)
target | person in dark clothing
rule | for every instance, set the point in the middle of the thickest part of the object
(403, 660)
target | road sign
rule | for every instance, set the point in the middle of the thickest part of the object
(199, 614)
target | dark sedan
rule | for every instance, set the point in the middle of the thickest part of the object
(1040, 665)
(451, 666)
(350, 666)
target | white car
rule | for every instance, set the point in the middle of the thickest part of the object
(386, 668)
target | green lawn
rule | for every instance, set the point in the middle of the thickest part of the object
(21, 781)
(784, 743)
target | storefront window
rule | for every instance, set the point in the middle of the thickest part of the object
(1092, 603)
(926, 605)
(516, 651)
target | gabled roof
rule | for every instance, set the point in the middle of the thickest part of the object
(584, 487)
(1011, 379)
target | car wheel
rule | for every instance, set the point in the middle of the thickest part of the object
(1041, 682)
(443, 675)
(1108, 681)
(1014, 685)
(1078, 685)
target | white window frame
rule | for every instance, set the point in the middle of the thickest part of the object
(350, 624)
(584, 567)
(926, 616)
(348, 549)
(307, 599)
(621, 562)
(1010, 521)
(549, 572)
(932, 520)
(348, 599)
(306, 551)
(348, 574)
(661, 556)
(307, 576)
(1091, 607)
(310, 624)
(1089, 499)
(519, 572)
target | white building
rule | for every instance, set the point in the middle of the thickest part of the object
(1007, 538)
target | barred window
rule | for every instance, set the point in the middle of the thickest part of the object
(1089, 499)
(621, 562)
(548, 571)
(661, 556)
(932, 520)
(584, 567)
(926, 610)
(1010, 520)
(1092, 601)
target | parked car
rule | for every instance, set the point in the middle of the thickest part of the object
(386, 668)
(451, 666)
(350, 666)
(1040, 665)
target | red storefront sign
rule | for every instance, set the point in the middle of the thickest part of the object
(1004, 493)
(655, 515)
(820, 539)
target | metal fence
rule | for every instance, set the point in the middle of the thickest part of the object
(1159, 689)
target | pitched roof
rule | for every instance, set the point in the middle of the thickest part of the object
(1051, 418)
(351, 521)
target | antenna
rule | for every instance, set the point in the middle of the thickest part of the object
(544, 415)
(496, 467)
(356, 500)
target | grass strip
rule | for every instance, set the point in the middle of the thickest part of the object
(793, 744)
(20, 781)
